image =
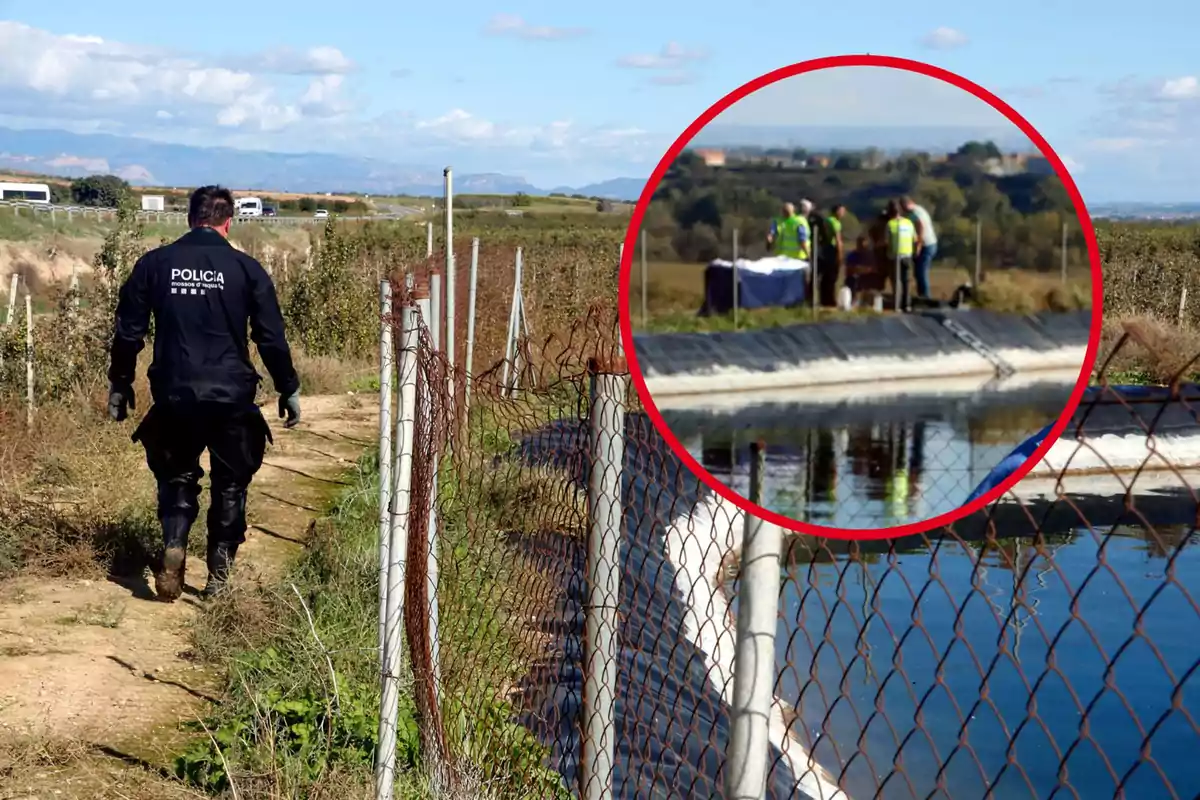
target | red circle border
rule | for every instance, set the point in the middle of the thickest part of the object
(626, 324)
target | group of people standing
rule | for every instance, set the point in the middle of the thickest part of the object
(903, 233)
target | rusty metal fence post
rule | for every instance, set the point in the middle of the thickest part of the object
(747, 758)
(469, 356)
(609, 380)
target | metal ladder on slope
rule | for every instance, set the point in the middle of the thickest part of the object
(1004, 370)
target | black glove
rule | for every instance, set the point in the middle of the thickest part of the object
(120, 400)
(289, 406)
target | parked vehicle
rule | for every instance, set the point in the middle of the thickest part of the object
(25, 193)
(249, 207)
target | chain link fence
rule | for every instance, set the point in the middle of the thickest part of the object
(582, 617)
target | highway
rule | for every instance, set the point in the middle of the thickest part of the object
(387, 211)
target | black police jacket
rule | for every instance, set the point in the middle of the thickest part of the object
(208, 300)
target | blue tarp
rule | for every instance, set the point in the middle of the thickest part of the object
(1120, 416)
(782, 288)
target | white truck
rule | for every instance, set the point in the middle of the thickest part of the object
(249, 207)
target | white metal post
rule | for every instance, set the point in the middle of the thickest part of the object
(978, 255)
(609, 384)
(385, 761)
(429, 240)
(12, 299)
(387, 370)
(28, 360)
(434, 320)
(814, 262)
(644, 282)
(735, 279)
(450, 285)
(1064, 254)
(514, 329)
(747, 759)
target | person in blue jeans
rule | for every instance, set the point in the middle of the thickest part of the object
(927, 243)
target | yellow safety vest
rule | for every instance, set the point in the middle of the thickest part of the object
(896, 489)
(787, 237)
(901, 234)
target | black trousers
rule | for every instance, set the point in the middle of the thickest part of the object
(174, 438)
(829, 275)
(906, 269)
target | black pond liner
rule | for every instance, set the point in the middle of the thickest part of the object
(671, 726)
(912, 337)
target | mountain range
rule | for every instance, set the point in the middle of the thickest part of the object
(144, 162)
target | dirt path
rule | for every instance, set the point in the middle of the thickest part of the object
(95, 676)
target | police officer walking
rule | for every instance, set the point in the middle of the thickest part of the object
(204, 296)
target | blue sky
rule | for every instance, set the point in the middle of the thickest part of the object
(566, 94)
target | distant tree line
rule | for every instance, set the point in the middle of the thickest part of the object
(110, 191)
(696, 207)
(523, 201)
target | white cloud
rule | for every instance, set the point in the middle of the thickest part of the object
(291, 100)
(459, 127)
(673, 56)
(1151, 112)
(944, 38)
(86, 76)
(513, 25)
(321, 60)
(323, 98)
(674, 64)
(1185, 88)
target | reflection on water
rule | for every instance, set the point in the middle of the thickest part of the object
(870, 475)
(988, 664)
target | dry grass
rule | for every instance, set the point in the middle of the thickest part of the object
(75, 769)
(1158, 352)
(73, 495)
(328, 375)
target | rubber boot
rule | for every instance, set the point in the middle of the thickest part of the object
(220, 563)
(177, 510)
(168, 582)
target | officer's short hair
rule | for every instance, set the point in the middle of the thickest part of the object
(211, 206)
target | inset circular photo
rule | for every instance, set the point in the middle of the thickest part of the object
(852, 288)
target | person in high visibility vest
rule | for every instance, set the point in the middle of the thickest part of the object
(789, 235)
(901, 241)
